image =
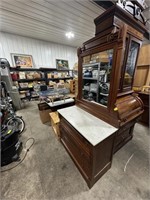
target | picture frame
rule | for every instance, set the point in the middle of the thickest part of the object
(22, 60)
(62, 64)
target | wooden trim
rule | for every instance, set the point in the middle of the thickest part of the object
(123, 15)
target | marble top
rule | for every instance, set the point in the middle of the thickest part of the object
(90, 127)
(60, 102)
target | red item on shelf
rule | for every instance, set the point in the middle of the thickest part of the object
(14, 76)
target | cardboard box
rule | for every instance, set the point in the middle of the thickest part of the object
(44, 111)
(44, 115)
(86, 59)
(49, 75)
(54, 116)
(43, 106)
(72, 86)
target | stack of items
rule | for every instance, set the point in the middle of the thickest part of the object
(52, 75)
(23, 85)
(22, 75)
(86, 60)
(71, 85)
(52, 84)
(33, 75)
(99, 57)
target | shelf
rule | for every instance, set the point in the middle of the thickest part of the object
(86, 90)
(40, 69)
(30, 80)
(29, 97)
(104, 94)
(26, 88)
(59, 78)
(24, 69)
(90, 64)
(54, 69)
(44, 71)
(95, 92)
(25, 98)
(88, 78)
(35, 96)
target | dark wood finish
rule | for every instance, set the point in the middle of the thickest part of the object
(92, 161)
(108, 18)
(113, 28)
(145, 116)
(124, 134)
(129, 107)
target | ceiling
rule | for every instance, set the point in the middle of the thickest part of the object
(50, 19)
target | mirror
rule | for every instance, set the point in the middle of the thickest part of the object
(96, 73)
(130, 65)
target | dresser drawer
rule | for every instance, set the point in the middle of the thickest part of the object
(145, 99)
(80, 140)
(80, 157)
(122, 136)
(126, 127)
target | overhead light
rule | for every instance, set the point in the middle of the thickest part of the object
(70, 35)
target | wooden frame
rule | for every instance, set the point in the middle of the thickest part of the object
(22, 60)
(62, 64)
(124, 108)
(107, 38)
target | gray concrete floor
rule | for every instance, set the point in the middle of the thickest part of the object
(48, 173)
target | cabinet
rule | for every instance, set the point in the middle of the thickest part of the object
(114, 49)
(106, 68)
(29, 80)
(91, 151)
(145, 116)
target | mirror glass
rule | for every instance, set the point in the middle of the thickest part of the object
(130, 65)
(96, 72)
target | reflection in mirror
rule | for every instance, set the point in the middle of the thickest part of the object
(130, 65)
(96, 71)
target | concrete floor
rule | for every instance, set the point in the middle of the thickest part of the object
(48, 173)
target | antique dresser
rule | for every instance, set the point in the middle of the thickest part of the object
(106, 67)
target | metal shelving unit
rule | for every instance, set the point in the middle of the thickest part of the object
(45, 71)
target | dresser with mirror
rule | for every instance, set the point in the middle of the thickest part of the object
(106, 110)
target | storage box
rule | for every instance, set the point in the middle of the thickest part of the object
(44, 115)
(44, 111)
(86, 59)
(54, 116)
(49, 75)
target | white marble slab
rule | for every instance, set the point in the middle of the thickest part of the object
(89, 126)
(60, 102)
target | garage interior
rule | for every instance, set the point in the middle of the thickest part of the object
(46, 168)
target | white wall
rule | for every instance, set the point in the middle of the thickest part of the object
(44, 53)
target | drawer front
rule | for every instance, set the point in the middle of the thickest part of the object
(145, 99)
(122, 136)
(84, 144)
(127, 126)
(80, 157)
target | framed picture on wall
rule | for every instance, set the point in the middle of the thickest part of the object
(22, 60)
(62, 64)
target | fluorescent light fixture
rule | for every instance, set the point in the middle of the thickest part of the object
(69, 35)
